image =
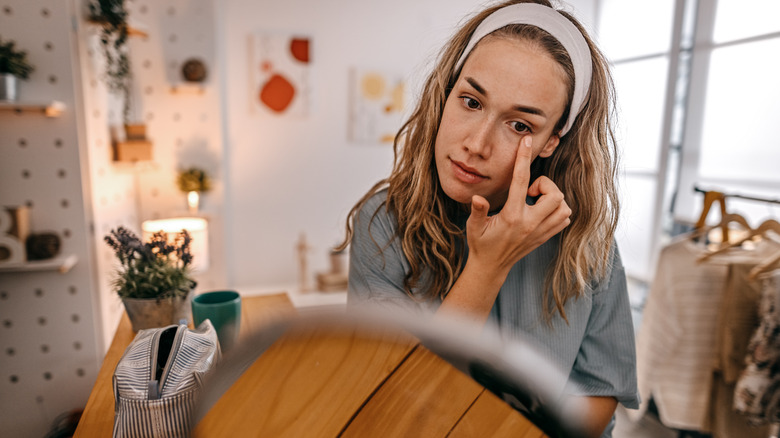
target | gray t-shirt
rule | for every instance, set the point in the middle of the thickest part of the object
(596, 346)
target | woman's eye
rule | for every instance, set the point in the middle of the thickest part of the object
(470, 103)
(520, 127)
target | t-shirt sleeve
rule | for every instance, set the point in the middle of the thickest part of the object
(606, 362)
(377, 265)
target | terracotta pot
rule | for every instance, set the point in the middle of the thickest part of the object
(147, 313)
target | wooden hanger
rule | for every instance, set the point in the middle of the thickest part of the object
(764, 266)
(724, 223)
(709, 198)
(761, 230)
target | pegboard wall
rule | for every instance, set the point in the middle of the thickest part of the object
(48, 329)
(54, 328)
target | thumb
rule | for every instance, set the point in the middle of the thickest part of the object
(479, 213)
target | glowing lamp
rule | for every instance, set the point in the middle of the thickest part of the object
(198, 229)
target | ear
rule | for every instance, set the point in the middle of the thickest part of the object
(550, 146)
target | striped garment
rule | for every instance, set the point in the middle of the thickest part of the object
(158, 379)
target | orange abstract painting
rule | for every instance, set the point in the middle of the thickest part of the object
(280, 68)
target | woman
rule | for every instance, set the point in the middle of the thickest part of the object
(502, 205)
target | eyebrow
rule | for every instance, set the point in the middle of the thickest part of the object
(521, 108)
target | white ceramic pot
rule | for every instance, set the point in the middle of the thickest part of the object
(9, 87)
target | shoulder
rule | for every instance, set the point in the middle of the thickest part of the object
(374, 212)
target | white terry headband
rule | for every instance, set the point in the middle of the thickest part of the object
(547, 19)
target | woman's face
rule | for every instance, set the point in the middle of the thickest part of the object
(507, 90)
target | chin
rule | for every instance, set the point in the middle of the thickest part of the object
(458, 195)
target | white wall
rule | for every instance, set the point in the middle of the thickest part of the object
(288, 176)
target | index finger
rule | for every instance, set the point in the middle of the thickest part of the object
(521, 176)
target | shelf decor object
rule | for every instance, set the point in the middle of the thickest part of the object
(14, 66)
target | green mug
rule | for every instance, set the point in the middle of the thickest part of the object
(223, 308)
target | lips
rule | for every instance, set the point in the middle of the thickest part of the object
(466, 174)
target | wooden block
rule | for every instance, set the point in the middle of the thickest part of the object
(133, 150)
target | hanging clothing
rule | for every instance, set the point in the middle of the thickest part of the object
(680, 340)
(758, 388)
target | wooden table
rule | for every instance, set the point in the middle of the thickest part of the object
(332, 384)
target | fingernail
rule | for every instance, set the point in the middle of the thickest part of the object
(527, 142)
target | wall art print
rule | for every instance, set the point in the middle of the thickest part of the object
(281, 65)
(376, 105)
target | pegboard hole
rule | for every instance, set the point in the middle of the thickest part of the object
(3, 295)
(66, 232)
(61, 173)
(42, 321)
(10, 351)
(25, 173)
(80, 372)
(38, 292)
(72, 290)
(65, 203)
(7, 10)
(8, 323)
(44, 348)
(14, 379)
(22, 143)
(45, 13)
(52, 79)
(77, 345)
(48, 46)
(47, 375)
(75, 318)
(58, 143)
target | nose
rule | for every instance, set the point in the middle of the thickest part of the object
(479, 141)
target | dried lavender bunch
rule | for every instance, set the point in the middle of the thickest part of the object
(155, 269)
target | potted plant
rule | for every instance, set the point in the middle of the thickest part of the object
(112, 16)
(154, 279)
(193, 182)
(13, 66)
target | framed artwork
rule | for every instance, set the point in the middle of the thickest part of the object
(376, 106)
(281, 65)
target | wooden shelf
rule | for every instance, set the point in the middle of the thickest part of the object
(50, 109)
(188, 88)
(132, 30)
(61, 264)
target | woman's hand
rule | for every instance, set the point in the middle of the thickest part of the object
(497, 242)
(503, 239)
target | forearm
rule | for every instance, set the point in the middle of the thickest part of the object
(599, 412)
(474, 293)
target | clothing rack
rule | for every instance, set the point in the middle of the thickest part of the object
(740, 196)
(712, 196)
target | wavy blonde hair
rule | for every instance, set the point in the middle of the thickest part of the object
(584, 167)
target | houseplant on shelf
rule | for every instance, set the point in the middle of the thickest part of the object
(193, 182)
(154, 279)
(112, 16)
(13, 66)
